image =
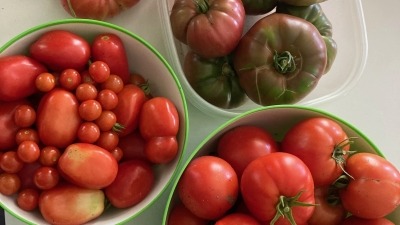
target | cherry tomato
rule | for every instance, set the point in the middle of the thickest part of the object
(70, 79)
(90, 110)
(88, 132)
(321, 144)
(86, 91)
(212, 180)
(133, 183)
(353, 220)
(49, 156)
(45, 82)
(86, 78)
(241, 145)
(10, 162)
(117, 153)
(28, 199)
(24, 116)
(27, 134)
(107, 121)
(88, 165)
(181, 215)
(9, 183)
(141, 82)
(99, 71)
(28, 151)
(108, 140)
(108, 99)
(374, 189)
(161, 149)
(113, 83)
(46, 177)
(237, 218)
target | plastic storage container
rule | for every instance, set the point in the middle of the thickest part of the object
(349, 32)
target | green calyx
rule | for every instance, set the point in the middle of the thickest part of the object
(202, 5)
(284, 62)
(340, 155)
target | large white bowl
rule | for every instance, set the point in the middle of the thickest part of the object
(276, 120)
(144, 59)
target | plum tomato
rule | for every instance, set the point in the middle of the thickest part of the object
(132, 146)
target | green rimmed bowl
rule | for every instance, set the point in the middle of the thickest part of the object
(277, 120)
(143, 59)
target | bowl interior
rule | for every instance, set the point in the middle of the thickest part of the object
(143, 59)
(276, 120)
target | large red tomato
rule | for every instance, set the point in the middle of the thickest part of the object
(208, 187)
(18, 74)
(374, 189)
(180, 215)
(241, 145)
(275, 188)
(353, 220)
(323, 146)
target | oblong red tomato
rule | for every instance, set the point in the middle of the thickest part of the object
(130, 101)
(58, 118)
(18, 74)
(110, 49)
(70, 204)
(88, 165)
(133, 183)
(60, 50)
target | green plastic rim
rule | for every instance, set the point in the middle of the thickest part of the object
(155, 52)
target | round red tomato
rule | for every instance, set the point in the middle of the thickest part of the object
(241, 145)
(278, 181)
(353, 220)
(374, 189)
(180, 215)
(208, 180)
(237, 218)
(323, 146)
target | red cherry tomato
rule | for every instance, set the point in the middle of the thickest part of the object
(9, 183)
(45, 82)
(49, 156)
(10, 162)
(113, 83)
(28, 151)
(161, 149)
(24, 116)
(88, 132)
(28, 199)
(90, 110)
(99, 71)
(108, 140)
(107, 121)
(27, 134)
(69, 79)
(46, 177)
(86, 91)
(108, 99)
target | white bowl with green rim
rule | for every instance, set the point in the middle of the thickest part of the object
(276, 120)
(143, 59)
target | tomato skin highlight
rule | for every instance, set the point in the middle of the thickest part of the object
(58, 118)
(88, 165)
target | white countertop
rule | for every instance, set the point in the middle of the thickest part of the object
(373, 105)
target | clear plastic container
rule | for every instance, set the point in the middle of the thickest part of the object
(349, 32)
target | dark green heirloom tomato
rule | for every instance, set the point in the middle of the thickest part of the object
(257, 7)
(315, 15)
(214, 80)
(301, 2)
(280, 59)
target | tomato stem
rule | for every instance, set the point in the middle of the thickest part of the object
(284, 62)
(202, 5)
(118, 128)
(340, 155)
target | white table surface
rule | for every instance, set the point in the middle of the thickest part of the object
(373, 105)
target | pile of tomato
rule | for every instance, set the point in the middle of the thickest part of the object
(312, 176)
(78, 130)
(279, 60)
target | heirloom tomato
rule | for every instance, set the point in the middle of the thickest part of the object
(211, 28)
(241, 145)
(353, 220)
(110, 49)
(18, 74)
(69, 204)
(88, 165)
(288, 197)
(133, 183)
(60, 50)
(280, 59)
(315, 15)
(210, 180)
(180, 215)
(214, 79)
(373, 190)
(322, 145)
(58, 118)
(259, 7)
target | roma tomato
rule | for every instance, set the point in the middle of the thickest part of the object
(18, 75)
(353, 220)
(133, 183)
(8, 127)
(69, 204)
(221, 20)
(88, 165)
(132, 146)
(284, 70)
(241, 145)
(98, 10)
(181, 215)
(374, 189)
(323, 146)
(214, 79)
(289, 196)
(58, 118)
(60, 50)
(130, 101)
(237, 218)
(211, 180)
(110, 49)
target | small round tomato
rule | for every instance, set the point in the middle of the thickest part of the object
(161, 149)
(9, 183)
(28, 151)
(90, 110)
(46, 177)
(10, 162)
(114, 83)
(45, 82)
(24, 116)
(180, 215)
(99, 71)
(28, 199)
(212, 180)
(49, 156)
(108, 99)
(70, 79)
(88, 132)
(108, 140)
(27, 134)
(86, 91)
(107, 121)
(117, 153)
